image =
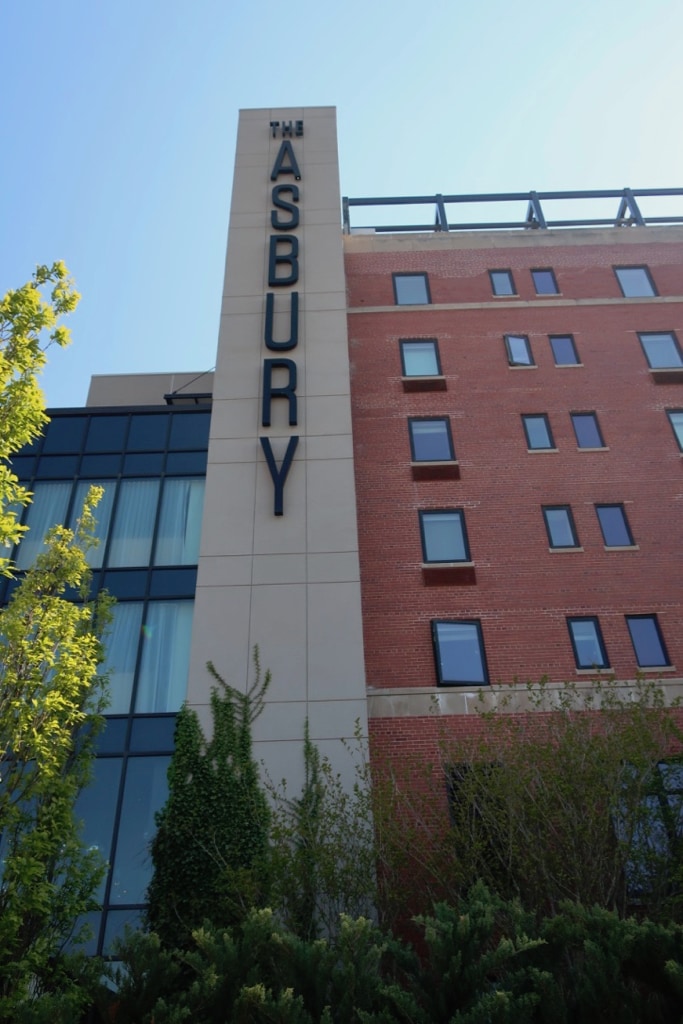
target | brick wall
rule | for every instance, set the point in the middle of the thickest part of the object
(523, 592)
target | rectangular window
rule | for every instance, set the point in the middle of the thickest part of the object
(559, 523)
(95, 555)
(647, 641)
(544, 282)
(614, 525)
(459, 653)
(676, 421)
(564, 350)
(411, 289)
(180, 522)
(430, 440)
(537, 430)
(587, 430)
(121, 647)
(48, 508)
(502, 282)
(444, 537)
(162, 680)
(131, 536)
(635, 282)
(420, 358)
(661, 350)
(518, 350)
(587, 643)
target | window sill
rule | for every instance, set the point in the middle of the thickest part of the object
(563, 551)
(602, 448)
(541, 451)
(444, 574)
(522, 366)
(622, 547)
(598, 670)
(435, 470)
(668, 375)
(568, 366)
(657, 668)
(432, 383)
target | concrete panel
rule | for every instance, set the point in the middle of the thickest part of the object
(278, 615)
(235, 418)
(220, 634)
(335, 719)
(333, 567)
(228, 524)
(279, 569)
(284, 534)
(332, 506)
(240, 449)
(330, 446)
(335, 641)
(329, 414)
(235, 570)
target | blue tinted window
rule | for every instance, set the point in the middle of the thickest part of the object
(430, 440)
(152, 732)
(190, 430)
(614, 525)
(560, 526)
(537, 430)
(145, 793)
(100, 465)
(65, 434)
(143, 464)
(647, 641)
(56, 467)
(148, 432)
(587, 642)
(23, 466)
(182, 463)
(173, 583)
(587, 430)
(106, 434)
(564, 350)
(459, 650)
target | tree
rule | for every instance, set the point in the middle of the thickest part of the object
(210, 849)
(49, 698)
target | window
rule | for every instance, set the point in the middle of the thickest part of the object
(537, 430)
(614, 525)
(162, 679)
(459, 653)
(559, 523)
(518, 350)
(587, 430)
(49, 506)
(444, 538)
(676, 421)
(420, 358)
(131, 536)
(502, 282)
(180, 522)
(411, 289)
(661, 350)
(647, 641)
(564, 350)
(635, 282)
(430, 440)
(544, 282)
(587, 643)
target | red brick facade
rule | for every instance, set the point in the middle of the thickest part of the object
(520, 590)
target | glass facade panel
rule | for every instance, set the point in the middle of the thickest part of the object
(121, 645)
(64, 434)
(148, 432)
(145, 792)
(131, 540)
(96, 807)
(180, 522)
(106, 434)
(102, 516)
(190, 430)
(162, 680)
(49, 507)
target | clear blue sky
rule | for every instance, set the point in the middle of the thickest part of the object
(119, 123)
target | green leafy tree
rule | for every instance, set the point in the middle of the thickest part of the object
(49, 695)
(210, 851)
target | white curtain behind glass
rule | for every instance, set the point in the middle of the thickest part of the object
(50, 502)
(131, 541)
(121, 646)
(162, 682)
(102, 515)
(180, 522)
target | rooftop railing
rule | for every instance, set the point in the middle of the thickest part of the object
(629, 210)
